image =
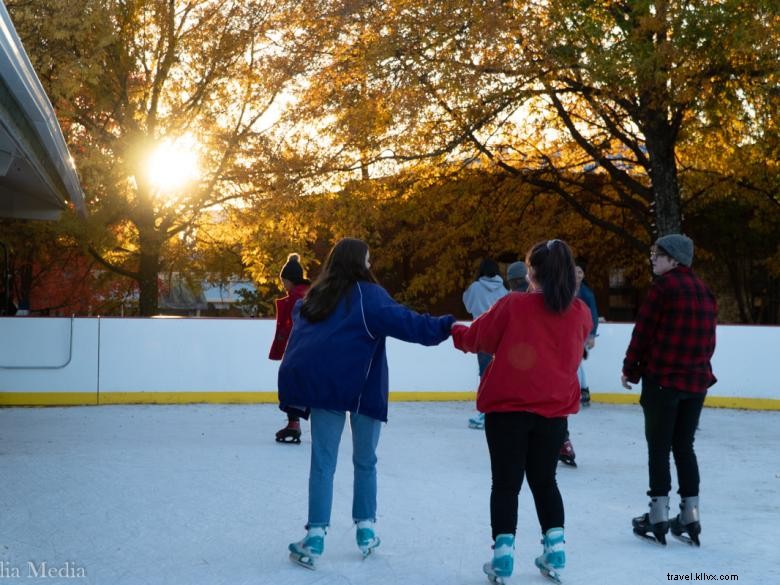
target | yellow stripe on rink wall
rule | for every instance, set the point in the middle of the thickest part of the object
(92, 398)
(711, 401)
(47, 398)
(187, 397)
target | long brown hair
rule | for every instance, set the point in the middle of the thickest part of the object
(345, 265)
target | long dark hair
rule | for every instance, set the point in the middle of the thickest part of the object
(345, 265)
(553, 266)
(487, 267)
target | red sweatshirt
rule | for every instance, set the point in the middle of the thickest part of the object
(284, 307)
(535, 355)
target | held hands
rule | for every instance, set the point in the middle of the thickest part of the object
(591, 342)
(624, 382)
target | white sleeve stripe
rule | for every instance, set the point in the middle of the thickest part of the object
(363, 313)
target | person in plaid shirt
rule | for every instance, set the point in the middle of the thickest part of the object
(670, 350)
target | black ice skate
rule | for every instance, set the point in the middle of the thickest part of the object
(566, 454)
(290, 434)
(654, 525)
(685, 526)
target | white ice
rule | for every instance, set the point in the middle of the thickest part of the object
(202, 494)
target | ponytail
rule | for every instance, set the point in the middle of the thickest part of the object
(553, 267)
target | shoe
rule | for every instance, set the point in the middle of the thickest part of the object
(502, 564)
(477, 421)
(366, 537)
(306, 552)
(566, 454)
(654, 525)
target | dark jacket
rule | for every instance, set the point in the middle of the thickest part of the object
(340, 363)
(674, 335)
(586, 294)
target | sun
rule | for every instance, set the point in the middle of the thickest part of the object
(173, 164)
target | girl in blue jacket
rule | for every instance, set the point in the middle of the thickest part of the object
(335, 362)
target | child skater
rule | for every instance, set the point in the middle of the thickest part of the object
(336, 364)
(296, 286)
(536, 340)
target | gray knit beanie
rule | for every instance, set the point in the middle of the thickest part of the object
(516, 271)
(678, 246)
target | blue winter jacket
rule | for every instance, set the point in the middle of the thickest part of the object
(340, 363)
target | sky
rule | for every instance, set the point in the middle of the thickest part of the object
(192, 494)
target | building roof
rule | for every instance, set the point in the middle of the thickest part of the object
(37, 174)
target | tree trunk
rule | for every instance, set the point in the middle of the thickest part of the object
(660, 141)
(148, 271)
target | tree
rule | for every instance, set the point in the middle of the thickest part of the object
(51, 273)
(549, 92)
(125, 78)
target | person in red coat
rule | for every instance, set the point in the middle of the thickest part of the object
(526, 393)
(296, 286)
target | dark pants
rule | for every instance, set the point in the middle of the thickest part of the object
(671, 418)
(523, 444)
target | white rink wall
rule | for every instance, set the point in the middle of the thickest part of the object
(115, 360)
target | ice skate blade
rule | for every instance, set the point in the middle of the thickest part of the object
(477, 426)
(572, 464)
(304, 561)
(367, 550)
(292, 440)
(492, 577)
(687, 539)
(552, 574)
(650, 538)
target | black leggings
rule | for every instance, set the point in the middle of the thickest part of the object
(523, 443)
(671, 418)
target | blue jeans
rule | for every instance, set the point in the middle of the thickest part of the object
(326, 429)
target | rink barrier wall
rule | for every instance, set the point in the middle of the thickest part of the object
(61, 361)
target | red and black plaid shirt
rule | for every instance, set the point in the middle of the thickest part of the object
(674, 335)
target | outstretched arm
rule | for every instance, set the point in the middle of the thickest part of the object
(485, 333)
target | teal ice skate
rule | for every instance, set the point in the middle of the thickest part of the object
(500, 568)
(366, 538)
(477, 421)
(553, 558)
(306, 552)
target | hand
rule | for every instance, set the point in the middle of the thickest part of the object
(591, 342)
(624, 381)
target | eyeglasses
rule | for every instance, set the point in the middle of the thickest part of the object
(655, 253)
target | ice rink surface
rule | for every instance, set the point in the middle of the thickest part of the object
(189, 495)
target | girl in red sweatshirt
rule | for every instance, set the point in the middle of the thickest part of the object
(526, 393)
